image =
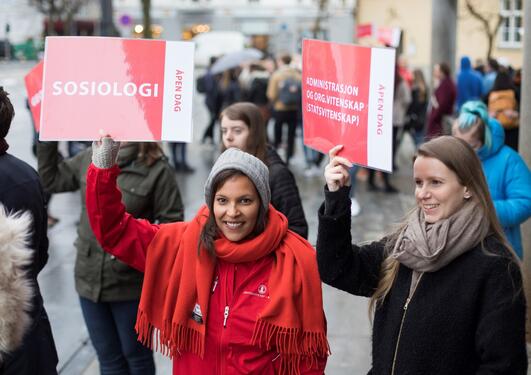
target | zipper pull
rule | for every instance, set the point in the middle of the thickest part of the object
(215, 284)
(407, 303)
(225, 315)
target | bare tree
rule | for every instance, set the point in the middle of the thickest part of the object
(490, 23)
(59, 10)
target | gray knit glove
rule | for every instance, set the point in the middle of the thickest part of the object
(105, 152)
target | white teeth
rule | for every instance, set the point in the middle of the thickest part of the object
(233, 225)
(430, 206)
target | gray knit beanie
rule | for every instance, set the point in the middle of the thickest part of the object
(249, 165)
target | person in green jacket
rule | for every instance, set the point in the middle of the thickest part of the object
(109, 290)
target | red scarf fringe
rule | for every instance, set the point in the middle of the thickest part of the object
(292, 345)
(163, 324)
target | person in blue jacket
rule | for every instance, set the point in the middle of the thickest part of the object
(507, 174)
(469, 83)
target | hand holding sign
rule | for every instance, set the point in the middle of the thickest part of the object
(347, 98)
(336, 171)
(105, 152)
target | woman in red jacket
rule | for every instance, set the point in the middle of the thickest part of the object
(232, 291)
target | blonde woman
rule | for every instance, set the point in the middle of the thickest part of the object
(445, 288)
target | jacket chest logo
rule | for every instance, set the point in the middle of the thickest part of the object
(261, 291)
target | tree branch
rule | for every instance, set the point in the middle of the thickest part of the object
(478, 15)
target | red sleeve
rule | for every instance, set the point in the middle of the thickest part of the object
(118, 233)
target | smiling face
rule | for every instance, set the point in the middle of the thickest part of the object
(234, 133)
(438, 192)
(236, 207)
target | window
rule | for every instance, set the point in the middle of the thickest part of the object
(511, 29)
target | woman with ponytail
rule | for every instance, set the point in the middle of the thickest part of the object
(445, 287)
(232, 291)
(508, 177)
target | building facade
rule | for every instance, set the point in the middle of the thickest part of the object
(273, 25)
(414, 18)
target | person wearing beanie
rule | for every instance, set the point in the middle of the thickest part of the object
(507, 174)
(25, 349)
(233, 289)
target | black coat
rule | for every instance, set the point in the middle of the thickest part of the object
(466, 318)
(20, 189)
(285, 194)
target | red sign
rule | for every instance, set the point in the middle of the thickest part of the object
(347, 98)
(33, 81)
(389, 36)
(133, 89)
(364, 30)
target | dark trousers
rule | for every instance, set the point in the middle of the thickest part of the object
(209, 131)
(111, 327)
(37, 355)
(178, 154)
(289, 118)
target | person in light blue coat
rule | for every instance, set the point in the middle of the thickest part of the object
(507, 174)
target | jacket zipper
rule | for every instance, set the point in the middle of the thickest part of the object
(408, 300)
(225, 316)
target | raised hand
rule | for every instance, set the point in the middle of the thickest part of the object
(336, 171)
(105, 152)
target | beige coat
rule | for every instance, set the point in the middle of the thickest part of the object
(280, 75)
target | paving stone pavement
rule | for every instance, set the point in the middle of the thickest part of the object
(347, 316)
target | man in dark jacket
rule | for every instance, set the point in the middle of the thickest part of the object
(21, 190)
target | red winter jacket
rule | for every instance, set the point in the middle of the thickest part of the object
(239, 291)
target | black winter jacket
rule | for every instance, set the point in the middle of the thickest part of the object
(285, 194)
(21, 190)
(466, 318)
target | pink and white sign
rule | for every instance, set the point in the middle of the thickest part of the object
(347, 98)
(133, 89)
(33, 82)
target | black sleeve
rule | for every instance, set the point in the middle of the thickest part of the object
(354, 269)
(286, 199)
(500, 334)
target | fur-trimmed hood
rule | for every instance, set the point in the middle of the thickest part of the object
(16, 288)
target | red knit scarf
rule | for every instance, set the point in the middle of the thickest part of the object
(176, 278)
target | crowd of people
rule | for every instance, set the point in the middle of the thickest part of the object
(237, 289)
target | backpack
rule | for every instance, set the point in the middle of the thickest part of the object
(502, 106)
(290, 92)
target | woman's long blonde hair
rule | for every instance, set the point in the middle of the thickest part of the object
(461, 159)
